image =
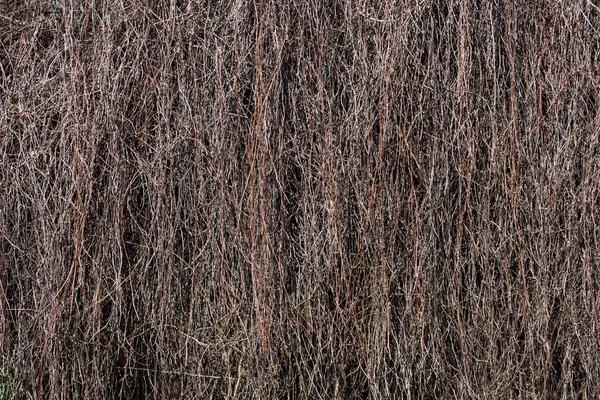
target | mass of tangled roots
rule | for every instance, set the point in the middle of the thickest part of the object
(299, 199)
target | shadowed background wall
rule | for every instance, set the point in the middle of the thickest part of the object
(299, 199)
